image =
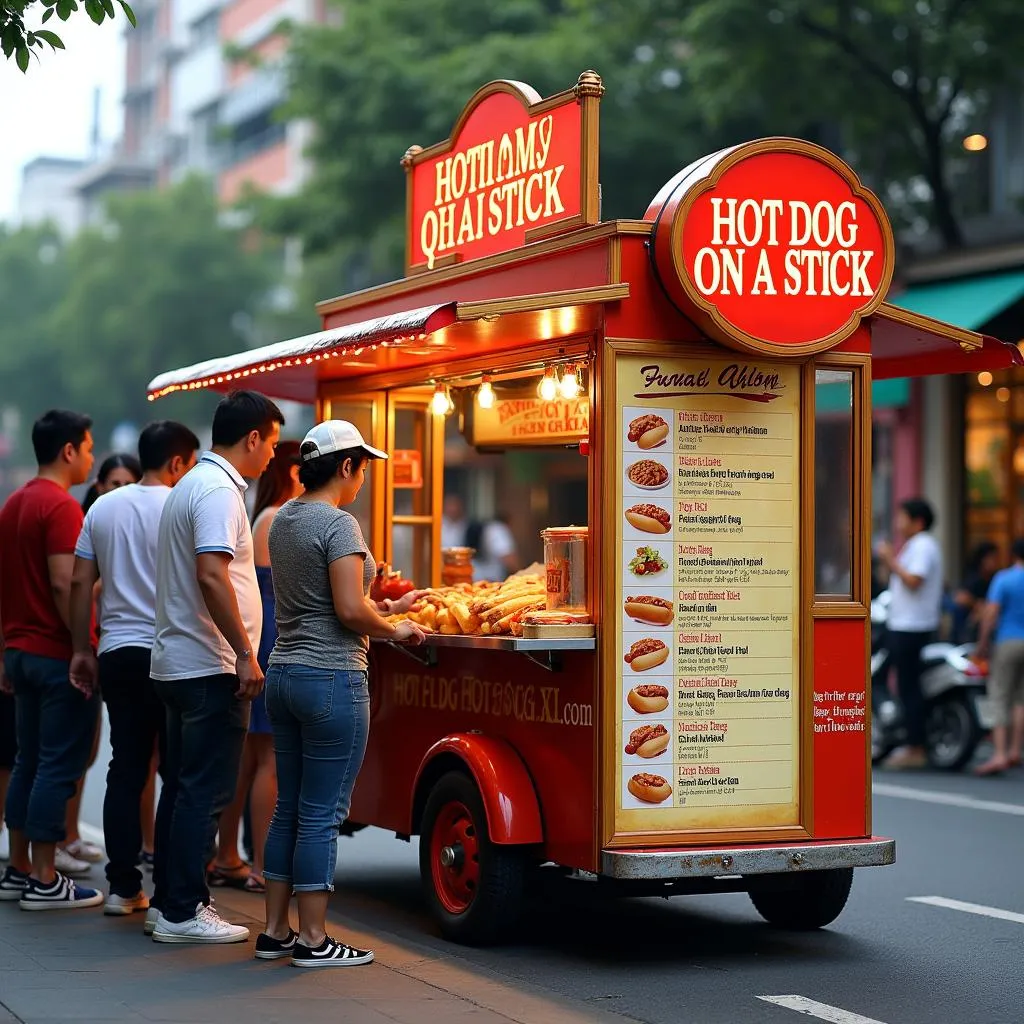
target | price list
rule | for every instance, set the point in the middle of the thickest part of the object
(709, 588)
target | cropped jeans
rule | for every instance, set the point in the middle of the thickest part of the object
(321, 720)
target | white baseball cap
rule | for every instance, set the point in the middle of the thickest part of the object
(335, 436)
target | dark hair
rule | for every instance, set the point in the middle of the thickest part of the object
(980, 552)
(275, 484)
(919, 511)
(161, 441)
(119, 460)
(319, 472)
(56, 428)
(240, 413)
(1018, 549)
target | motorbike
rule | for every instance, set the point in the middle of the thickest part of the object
(957, 711)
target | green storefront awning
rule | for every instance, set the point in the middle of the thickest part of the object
(885, 394)
(969, 302)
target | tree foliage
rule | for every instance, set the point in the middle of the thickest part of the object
(901, 83)
(389, 74)
(17, 40)
(891, 85)
(88, 323)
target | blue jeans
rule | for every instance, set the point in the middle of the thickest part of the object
(321, 721)
(206, 727)
(56, 726)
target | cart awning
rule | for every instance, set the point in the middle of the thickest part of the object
(908, 344)
(289, 360)
(421, 338)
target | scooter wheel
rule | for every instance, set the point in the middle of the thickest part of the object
(952, 733)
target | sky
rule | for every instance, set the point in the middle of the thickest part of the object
(48, 111)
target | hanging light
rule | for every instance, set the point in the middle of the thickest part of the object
(485, 393)
(571, 383)
(441, 404)
(547, 389)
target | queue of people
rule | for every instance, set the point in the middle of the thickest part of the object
(163, 601)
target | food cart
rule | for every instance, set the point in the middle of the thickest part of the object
(700, 723)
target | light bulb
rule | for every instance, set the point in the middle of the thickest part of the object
(547, 389)
(485, 394)
(441, 404)
(570, 385)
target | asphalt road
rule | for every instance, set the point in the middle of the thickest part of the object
(889, 959)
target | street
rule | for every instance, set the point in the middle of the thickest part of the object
(937, 938)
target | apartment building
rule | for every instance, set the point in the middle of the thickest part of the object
(191, 106)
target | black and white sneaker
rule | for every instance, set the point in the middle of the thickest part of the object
(60, 894)
(330, 954)
(12, 884)
(268, 948)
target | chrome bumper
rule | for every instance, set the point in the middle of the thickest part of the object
(746, 860)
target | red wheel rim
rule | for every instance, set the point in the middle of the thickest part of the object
(455, 885)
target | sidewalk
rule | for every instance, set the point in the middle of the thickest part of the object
(82, 967)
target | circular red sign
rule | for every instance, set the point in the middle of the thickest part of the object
(774, 247)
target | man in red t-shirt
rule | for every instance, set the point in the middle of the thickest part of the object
(55, 723)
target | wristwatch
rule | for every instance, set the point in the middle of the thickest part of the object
(244, 655)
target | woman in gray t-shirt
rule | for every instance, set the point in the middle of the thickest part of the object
(316, 688)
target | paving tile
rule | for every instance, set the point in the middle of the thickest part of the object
(42, 1005)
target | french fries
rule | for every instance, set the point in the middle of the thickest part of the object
(475, 609)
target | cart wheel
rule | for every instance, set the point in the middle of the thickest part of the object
(809, 901)
(474, 887)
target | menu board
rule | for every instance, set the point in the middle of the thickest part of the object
(708, 587)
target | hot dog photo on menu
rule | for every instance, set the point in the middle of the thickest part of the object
(646, 429)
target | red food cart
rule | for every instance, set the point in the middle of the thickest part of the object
(698, 383)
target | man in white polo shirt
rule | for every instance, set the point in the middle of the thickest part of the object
(117, 546)
(208, 624)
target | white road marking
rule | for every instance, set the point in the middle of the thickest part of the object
(969, 908)
(811, 1008)
(929, 796)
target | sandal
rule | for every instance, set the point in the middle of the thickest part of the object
(254, 883)
(228, 878)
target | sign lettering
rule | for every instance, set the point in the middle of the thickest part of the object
(775, 248)
(514, 163)
(531, 421)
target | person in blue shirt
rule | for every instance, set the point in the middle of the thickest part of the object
(1003, 620)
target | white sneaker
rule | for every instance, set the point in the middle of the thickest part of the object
(152, 916)
(123, 905)
(206, 927)
(89, 852)
(68, 865)
(5, 844)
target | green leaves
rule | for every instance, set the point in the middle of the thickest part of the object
(17, 41)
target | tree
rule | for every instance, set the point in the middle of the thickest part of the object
(18, 41)
(163, 283)
(389, 74)
(892, 86)
(33, 276)
(899, 84)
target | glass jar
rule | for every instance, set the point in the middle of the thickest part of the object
(457, 566)
(565, 563)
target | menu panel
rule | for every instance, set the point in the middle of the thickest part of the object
(708, 513)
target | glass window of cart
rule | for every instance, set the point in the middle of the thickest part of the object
(833, 485)
(360, 412)
(412, 450)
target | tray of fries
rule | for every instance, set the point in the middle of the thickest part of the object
(480, 609)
